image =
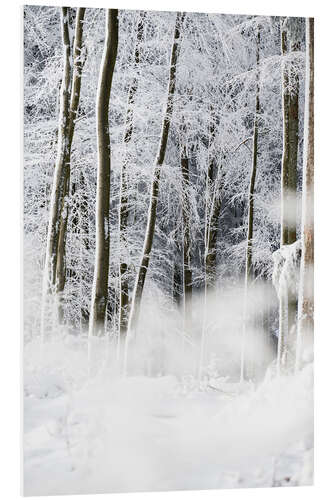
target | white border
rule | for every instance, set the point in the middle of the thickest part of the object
(10, 199)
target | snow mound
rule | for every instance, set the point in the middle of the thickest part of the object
(111, 434)
(286, 262)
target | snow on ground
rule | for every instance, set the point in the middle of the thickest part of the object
(111, 434)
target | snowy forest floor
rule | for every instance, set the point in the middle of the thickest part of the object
(111, 434)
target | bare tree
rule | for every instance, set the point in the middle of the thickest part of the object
(54, 274)
(250, 216)
(78, 63)
(144, 263)
(306, 290)
(123, 206)
(290, 97)
(101, 271)
(187, 272)
(212, 227)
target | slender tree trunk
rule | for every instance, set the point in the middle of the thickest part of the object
(214, 187)
(285, 122)
(101, 271)
(59, 178)
(306, 291)
(177, 284)
(290, 97)
(187, 271)
(78, 62)
(212, 229)
(178, 275)
(250, 222)
(144, 263)
(123, 206)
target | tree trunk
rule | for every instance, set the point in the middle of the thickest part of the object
(187, 271)
(59, 178)
(306, 291)
(178, 274)
(78, 62)
(144, 263)
(101, 271)
(212, 229)
(290, 96)
(249, 244)
(123, 206)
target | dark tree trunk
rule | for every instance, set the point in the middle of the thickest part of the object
(290, 97)
(101, 272)
(187, 271)
(250, 217)
(60, 178)
(213, 220)
(306, 292)
(177, 272)
(124, 202)
(144, 263)
(249, 272)
(78, 62)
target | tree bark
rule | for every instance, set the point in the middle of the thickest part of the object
(101, 271)
(290, 112)
(78, 63)
(214, 188)
(211, 251)
(59, 178)
(144, 263)
(306, 291)
(123, 206)
(187, 271)
(250, 222)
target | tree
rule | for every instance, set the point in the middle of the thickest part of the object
(187, 272)
(148, 242)
(101, 271)
(124, 202)
(54, 269)
(250, 216)
(78, 63)
(306, 288)
(290, 96)
(215, 181)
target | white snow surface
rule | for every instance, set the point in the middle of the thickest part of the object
(286, 273)
(110, 434)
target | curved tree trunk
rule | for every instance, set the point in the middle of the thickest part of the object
(101, 271)
(123, 206)
(306, 292)
(59, 178)
(144, 263)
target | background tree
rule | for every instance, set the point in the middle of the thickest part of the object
(143, 266)
(78, 57)
(54, 272)
(124, 201)
(216, 84)
(249, 272)
(290, 97)
(306, 289)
